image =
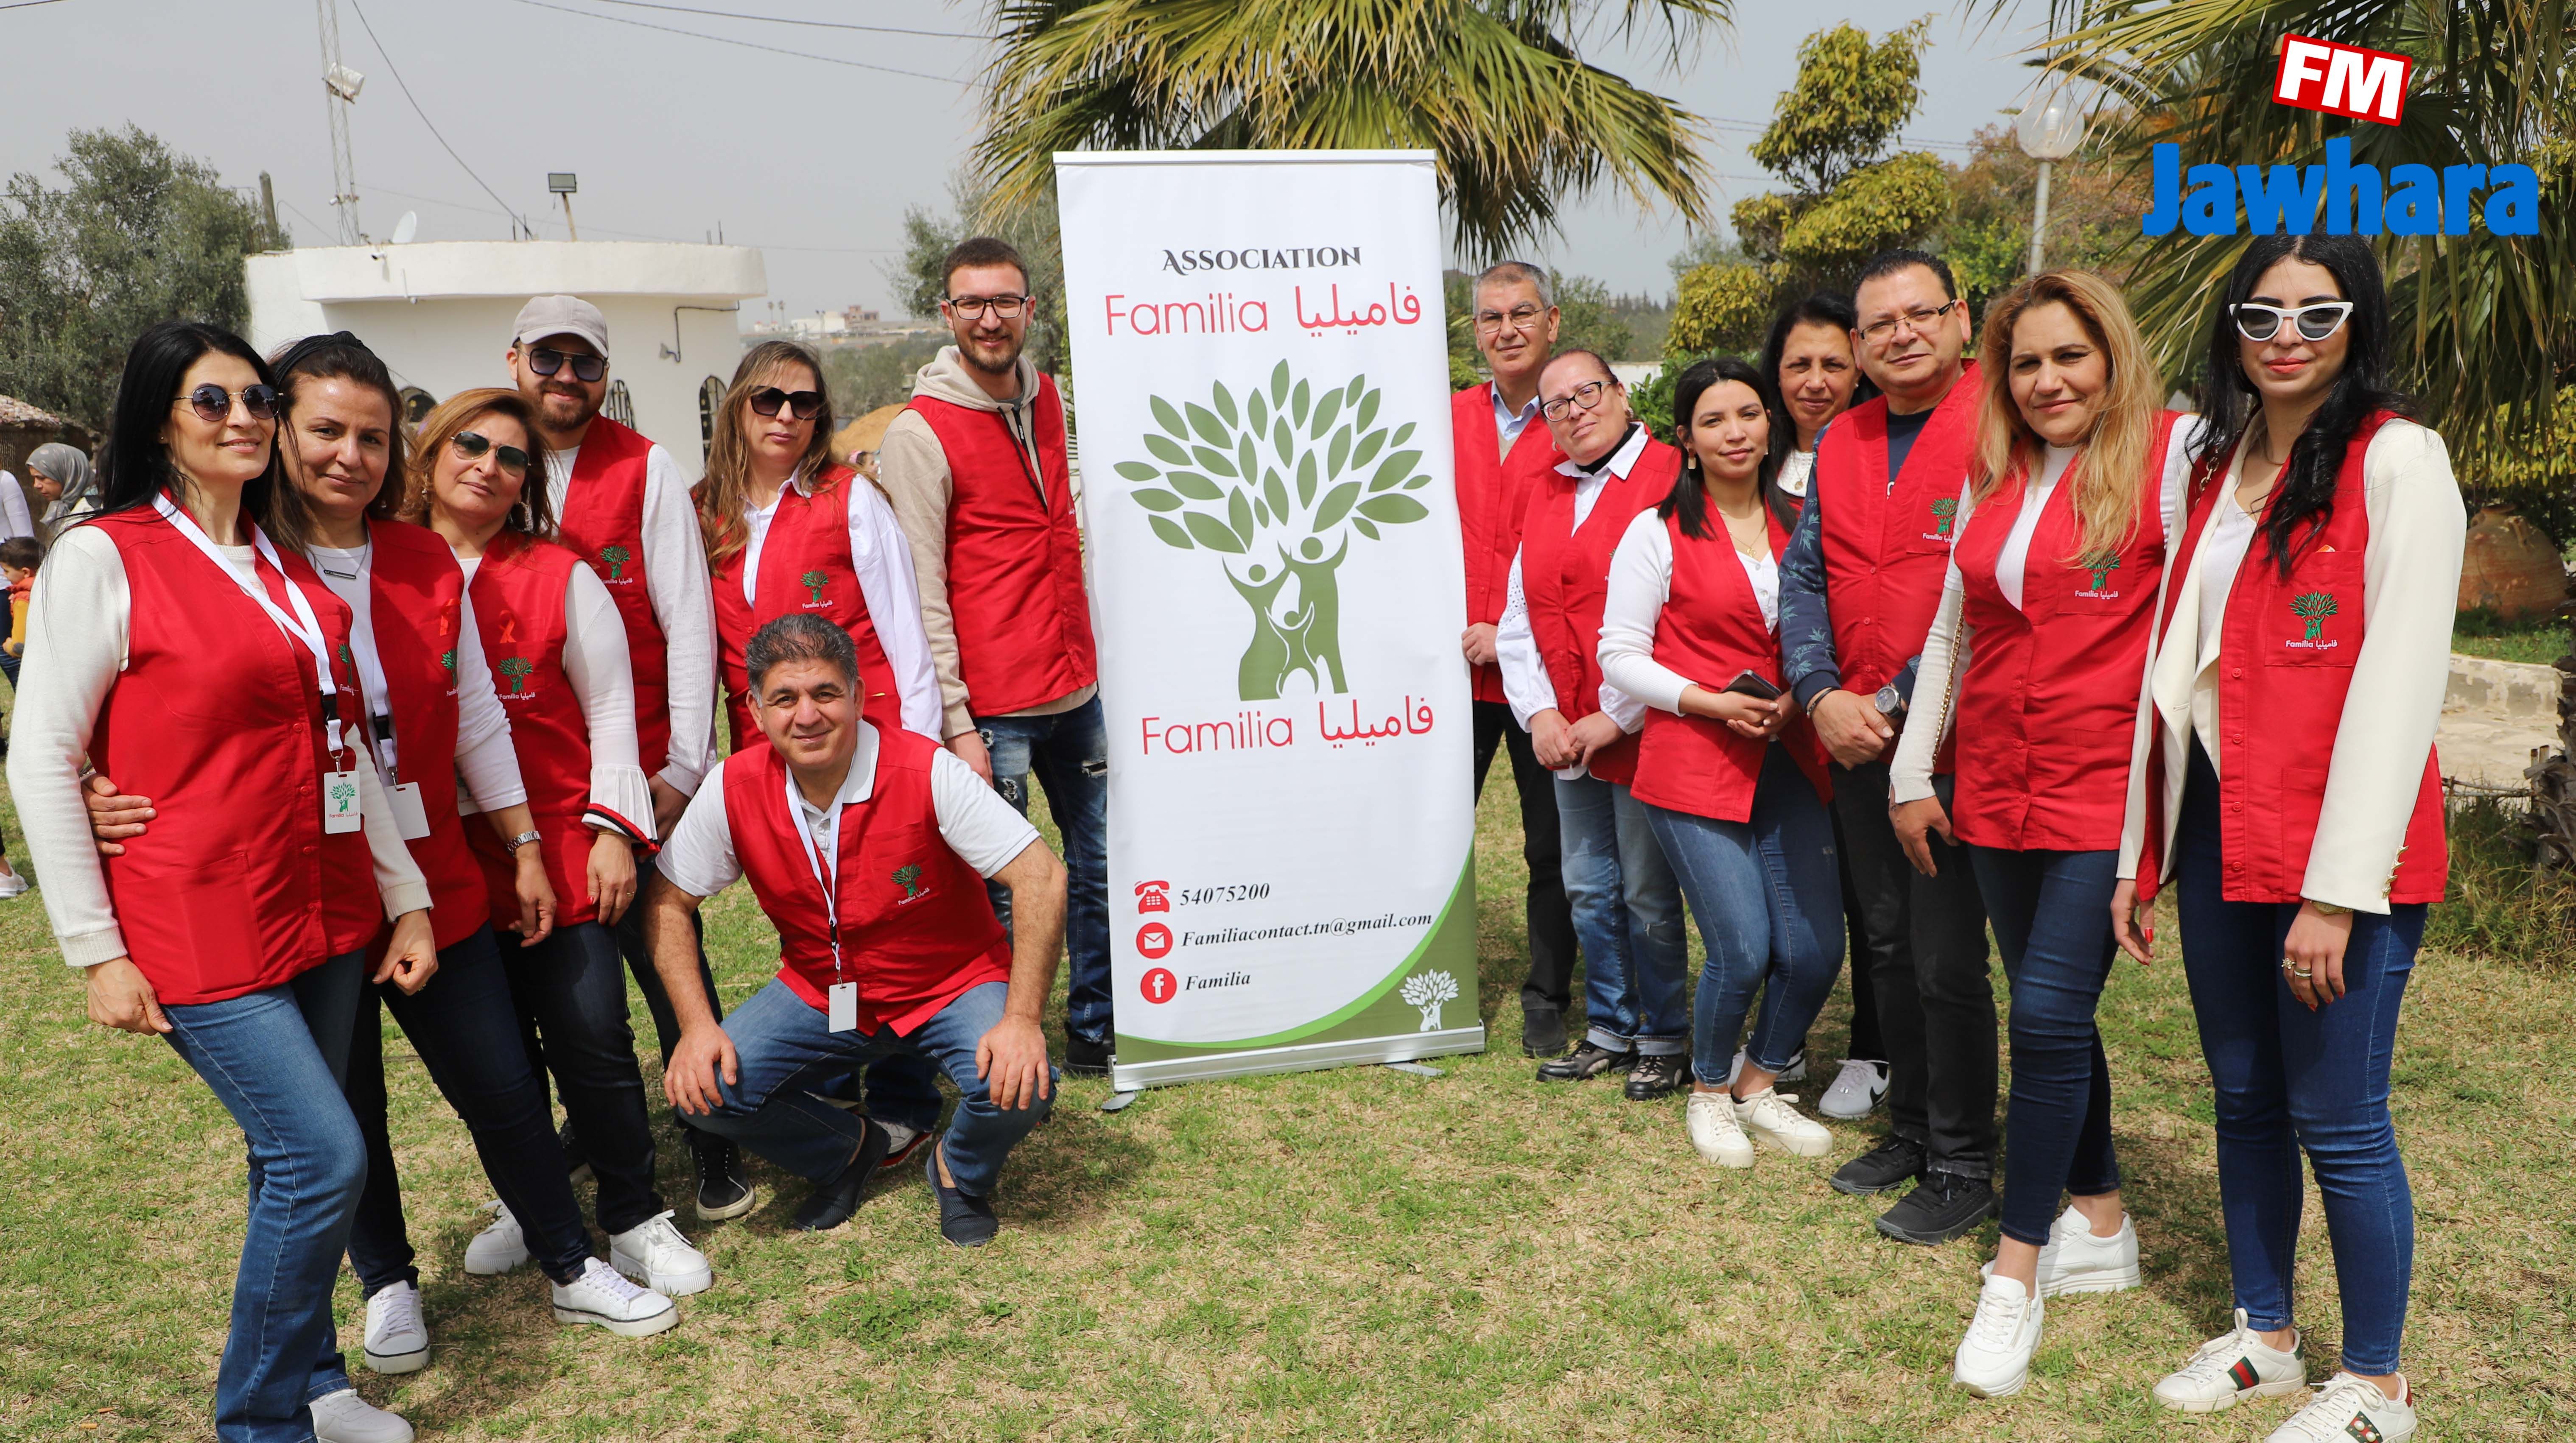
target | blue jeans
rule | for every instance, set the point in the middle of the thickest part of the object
(1069, 753)
(2052, 917)
(1769, 903)
(275, 1059)
(570, 991)
(1628, 916)
(465, 1026)
(785, 1052)
(2286, 1079)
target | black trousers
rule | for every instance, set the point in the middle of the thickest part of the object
(1927, 959)
(1551, 918)
(571, 994)
(1867, 1043)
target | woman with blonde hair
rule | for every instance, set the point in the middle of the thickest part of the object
(2037, 656)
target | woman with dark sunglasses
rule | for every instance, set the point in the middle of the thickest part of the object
(558, 647)
(2290, 792)
(172, 642)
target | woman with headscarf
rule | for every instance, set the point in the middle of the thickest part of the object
(60, 475)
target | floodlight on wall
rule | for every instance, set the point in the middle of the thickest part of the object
(564, 183)
(2049, 129)
(343, 82)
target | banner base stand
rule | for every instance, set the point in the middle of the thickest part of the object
(1415, 1069)
(1403, 1047)
(1118, 1101)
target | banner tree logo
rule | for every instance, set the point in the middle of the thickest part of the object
(1427, 991)
(1276, 486)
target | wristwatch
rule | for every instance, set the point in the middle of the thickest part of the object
(1890, 702)
(2328, 909)
(515, 843)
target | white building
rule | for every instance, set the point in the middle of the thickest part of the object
(439, 313)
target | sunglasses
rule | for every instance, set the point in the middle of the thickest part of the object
(214, 404)
(474, 445)
(801, 405)
(545, 361)
(2258, 322)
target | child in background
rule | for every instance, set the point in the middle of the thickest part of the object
(19, 556)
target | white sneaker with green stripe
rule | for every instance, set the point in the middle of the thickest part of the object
(2230, 1368)
(2351, 1410)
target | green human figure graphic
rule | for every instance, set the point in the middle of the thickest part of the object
(1265, 661)
(1315, 635)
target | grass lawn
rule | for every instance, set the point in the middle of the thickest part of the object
(1340, 1255)
(2482, 633)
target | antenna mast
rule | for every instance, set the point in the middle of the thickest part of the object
(340, 87)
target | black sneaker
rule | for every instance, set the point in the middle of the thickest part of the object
(1542, 1032)
(831, 1203)
(1084, 1057)
(723, 1191)
(576, 1161)
(1658, 1076)
(1589, 1061)
(1942, 1206)
(964, 1219)
(1884, 1168)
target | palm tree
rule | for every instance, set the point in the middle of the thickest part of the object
(1497, 89)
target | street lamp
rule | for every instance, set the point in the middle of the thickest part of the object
(566, 184)
(2049, 129)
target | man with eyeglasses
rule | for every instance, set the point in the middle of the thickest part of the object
(1500, 455)
(619, 502)
(1859, 585)
(976, 466)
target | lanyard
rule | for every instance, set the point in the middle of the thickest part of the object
(302, 626)
(371, 667)
(815, 863)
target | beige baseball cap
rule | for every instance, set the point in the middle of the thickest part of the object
(545, 316)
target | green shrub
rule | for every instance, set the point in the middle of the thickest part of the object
(2498, 907)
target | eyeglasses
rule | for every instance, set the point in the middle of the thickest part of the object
(1522, 318)
(473, 445)
(972, 307)
(1879, 333)
(545, 361)
(801, 405)
(2258, 322)
(213, 404)
(1582, 398)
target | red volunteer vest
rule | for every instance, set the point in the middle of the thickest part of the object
(236, 887)
(603, 522)
(1014, 557)
(804, 566)
(1493, 496)
(417, 606)
(2286, 649)
(2049, 704)
(1565, 579)
(518, 597)
(1710, 631)
(916, 928)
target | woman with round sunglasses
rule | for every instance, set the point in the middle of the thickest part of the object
(176, 645)
(558, 649)
(2033, 665)
(1731, 777)
(2291, 795)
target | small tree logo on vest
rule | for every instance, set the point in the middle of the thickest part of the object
(1945, 514)
(2313, 607)
(616, 558)
(516, 668)
(447, 659)
(1427, 991)
(2102, 575)
(908, 877)
(813, 581)
(344, 793)
(1284, 478)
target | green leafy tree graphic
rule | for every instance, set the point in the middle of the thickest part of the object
(447, 659)
(2102, 571)
(2313, 607)
(813, 581)
(908, 877)
(1945, 514)
(616, 557)
(1276, 485)
(516, 668)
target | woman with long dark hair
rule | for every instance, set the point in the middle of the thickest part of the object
(177, 646)
(2290, 792)
(1731, 776)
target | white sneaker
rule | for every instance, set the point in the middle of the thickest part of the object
(653, 1253)
(2231, 1367)
(1768, 1116)
(499, 1247)
(1796, 1071)
(1994, 1359)
(1856, 1090)
(13, 885)
(602, 1295)
(2076, 1260)
(1715, 1132)
(344, 1417)
(397, 1338)
(2349, 1410)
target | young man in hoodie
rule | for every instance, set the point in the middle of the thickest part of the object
(976, 468)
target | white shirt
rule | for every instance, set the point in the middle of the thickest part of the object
(1508, 423)
(2014, 559)
(79, 621)
(675, 577)
(595, 663)
(883, 560)
(15, 520)
(981, 828)
(1526, 684)
(1797, 469)
(484, 760)
(1641, 582)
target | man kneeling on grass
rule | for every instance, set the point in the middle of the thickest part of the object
(867, 848)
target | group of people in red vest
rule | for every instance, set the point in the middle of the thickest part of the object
(1918, 628)
(323, 711)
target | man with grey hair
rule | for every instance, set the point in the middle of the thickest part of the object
(1500, 455)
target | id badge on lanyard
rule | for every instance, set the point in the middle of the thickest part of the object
(842, 997)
